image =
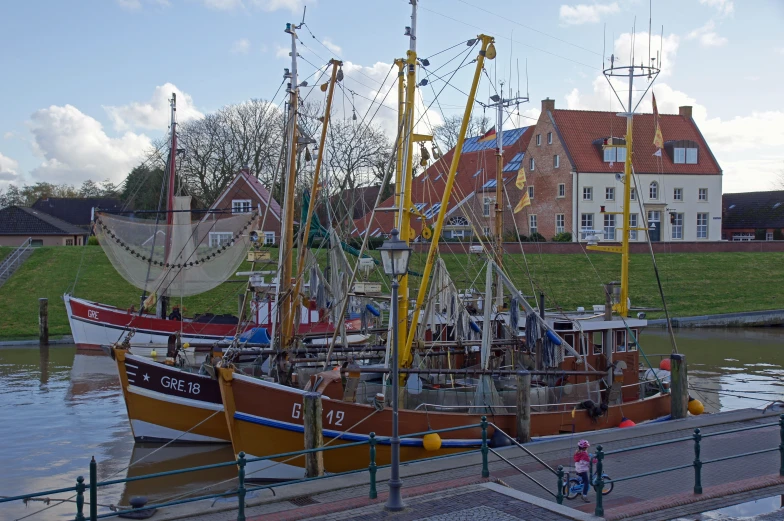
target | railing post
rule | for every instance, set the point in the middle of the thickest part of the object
(697, 463)
(80, 498)
(372, 466)
(781, 445)
(93, 490)
(559, 495)
(599, 510)
(241, 487)
(485, 469)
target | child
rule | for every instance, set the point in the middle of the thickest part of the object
(581, 464)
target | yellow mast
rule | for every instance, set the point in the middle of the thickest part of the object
(487, 50)
(314, 188)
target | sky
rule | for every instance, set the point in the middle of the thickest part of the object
(85, 83)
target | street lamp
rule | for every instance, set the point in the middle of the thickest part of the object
(395, 255)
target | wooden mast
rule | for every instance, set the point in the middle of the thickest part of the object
(314, 189)
(285, 259)
(488, 49)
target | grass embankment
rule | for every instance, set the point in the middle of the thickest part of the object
(695, 284)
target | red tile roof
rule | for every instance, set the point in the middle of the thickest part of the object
(579, 129)
(428, 187)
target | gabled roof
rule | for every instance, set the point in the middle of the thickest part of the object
(255, 185)
(580, 128)
(753, 210)
(75, 210)
(18, 220)
(477, 167)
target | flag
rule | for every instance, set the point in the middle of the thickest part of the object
(525, 201)
(658, 140)
(520, 183)
(490, 134)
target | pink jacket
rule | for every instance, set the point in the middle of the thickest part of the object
(581, 461)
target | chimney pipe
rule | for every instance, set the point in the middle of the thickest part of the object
(548, 105)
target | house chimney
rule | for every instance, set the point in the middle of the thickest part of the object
(685, 111)
(548, 104)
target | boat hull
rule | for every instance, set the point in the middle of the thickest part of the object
(165, 403)
(266, 419)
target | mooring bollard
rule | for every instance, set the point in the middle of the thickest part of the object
(697, 463)
(781, 445)
(599, 511)
(485, 468)
(43, 321)
(679, 387)
(372, 466)
(80, 498)
(559, 495)
(241, 487)
(93, 490)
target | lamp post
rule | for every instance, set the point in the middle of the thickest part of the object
(395, 255)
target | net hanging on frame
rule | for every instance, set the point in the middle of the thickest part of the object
(178, 260)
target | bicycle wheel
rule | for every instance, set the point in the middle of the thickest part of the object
(573, 488)
(607, 487)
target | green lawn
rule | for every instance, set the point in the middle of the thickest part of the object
(694, 284)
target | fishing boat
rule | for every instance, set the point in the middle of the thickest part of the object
(461, 354)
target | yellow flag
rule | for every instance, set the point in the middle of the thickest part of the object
(658, 140)
(525, 201)
(149, 302)
(520, 183)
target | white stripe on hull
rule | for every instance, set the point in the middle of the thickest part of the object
(174, 399)
(145, 431)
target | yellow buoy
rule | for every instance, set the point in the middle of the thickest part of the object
(186, 345)
(153, 353)
(696, 407)
(431, 442)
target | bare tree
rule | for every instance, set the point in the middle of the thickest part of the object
(446, 134)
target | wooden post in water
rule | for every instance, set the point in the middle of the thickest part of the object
(314, 439)
(679, 388)
(523, 406)
(43, 321)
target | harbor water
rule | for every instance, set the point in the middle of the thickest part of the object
(60, 407)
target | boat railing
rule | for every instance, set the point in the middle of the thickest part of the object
(91, 488)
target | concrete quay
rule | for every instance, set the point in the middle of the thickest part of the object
(452, 488)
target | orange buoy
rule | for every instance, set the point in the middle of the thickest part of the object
(696, 407)
(665, 364)
(626, 422)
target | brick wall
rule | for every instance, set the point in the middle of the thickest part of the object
(241, 190)
(658, 247)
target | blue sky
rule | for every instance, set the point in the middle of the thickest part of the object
(85, 82)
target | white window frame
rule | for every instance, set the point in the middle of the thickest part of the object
(677, 227)
(702, 229)
(561, 190)
(530, 192)
(692, 156)
(269, 238)
(532, 227)
(768, 236)
(609, 193)
(532, 165)
(742, 236)
(488, 204)
(634, 222)
(679, 156)
(486, 231)
(549, 138)
(218, 239)
(241, 206)
(609, 227)
(586, 223)
(560, 223)
(700, 193)
(587, 191)
(633, 194)
(556, 161)
(538, 140)
(677, 194)
(653, 191)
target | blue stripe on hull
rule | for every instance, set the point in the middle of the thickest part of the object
(405, 442)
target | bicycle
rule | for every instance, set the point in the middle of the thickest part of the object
(573, 487)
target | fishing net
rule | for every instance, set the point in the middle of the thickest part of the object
(178, 260)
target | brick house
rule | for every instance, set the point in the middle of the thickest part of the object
(471, 209)
(753, 216)
(242, 195)
(573, 176)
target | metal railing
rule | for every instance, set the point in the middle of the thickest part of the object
(696, 464)
(13, 260)
(242, 489)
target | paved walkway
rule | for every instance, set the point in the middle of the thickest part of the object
(433, 486)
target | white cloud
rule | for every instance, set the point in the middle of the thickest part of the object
(241, 46)
(266, 5)
(9, 135)
(75, 147)
(331, 46)
(724, 7)
(135, 5)
(8, 168)
(223, 5)
(583, 14)
(707, 36)
(665, 49)
(282, 52)
(155, 113)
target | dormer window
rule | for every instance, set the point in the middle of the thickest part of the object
(613, 149)
(683, 152)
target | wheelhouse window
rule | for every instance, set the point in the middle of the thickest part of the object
(609, 227)
(587, 193)
(620, 340)
(561, 190)
(702, 225)
(653, 190)
(241, 206)
(597, 342)
(560, 223)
